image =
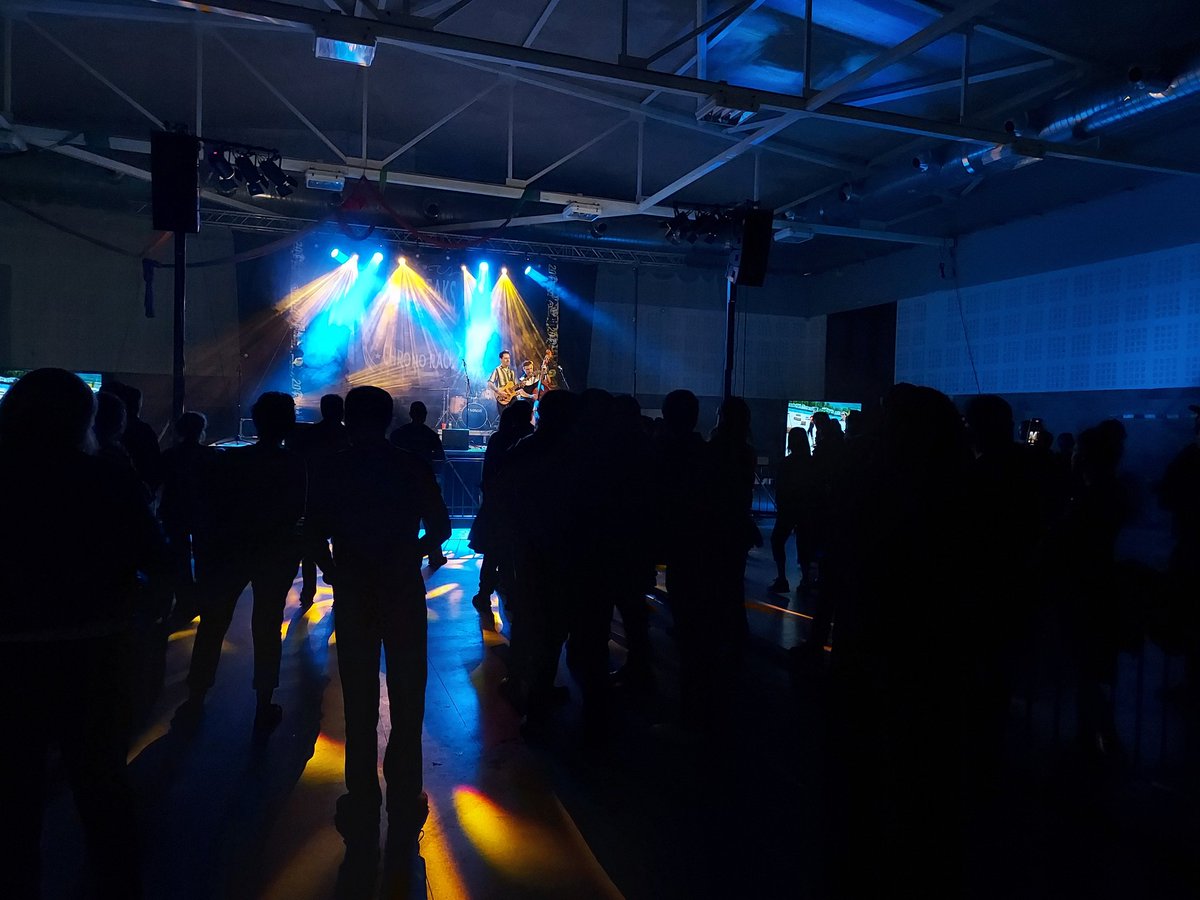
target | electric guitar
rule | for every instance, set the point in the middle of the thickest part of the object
(504, 395)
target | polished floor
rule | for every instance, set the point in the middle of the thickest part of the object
(654, 813)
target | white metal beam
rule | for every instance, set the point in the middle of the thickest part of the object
(907, 89)
(711, 40)
(281, 98)
(75, 57)
(763, 133)
(114, 165)
(408, 145)
(372, 171)
(548, 11)
(927, 35)
(580, 149)
(828, 160)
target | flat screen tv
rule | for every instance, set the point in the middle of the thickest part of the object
(800, 413)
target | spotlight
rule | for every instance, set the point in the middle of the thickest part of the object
(598, 229)
(528, 269)
(503, 270)
(483, 267)
(282, 182)
(464, 268)
(220, 167)
(403, 261)
(334, 252)
(377, 258)
(248, 174)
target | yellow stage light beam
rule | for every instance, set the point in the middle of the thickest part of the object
(406, 340)
(515, 324)
(308, 301)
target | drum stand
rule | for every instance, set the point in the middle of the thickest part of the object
(444, 418)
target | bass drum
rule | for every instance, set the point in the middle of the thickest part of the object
(475, 416)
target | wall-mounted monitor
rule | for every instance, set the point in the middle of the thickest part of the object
(800, 413)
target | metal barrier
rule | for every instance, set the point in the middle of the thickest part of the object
(459, 478)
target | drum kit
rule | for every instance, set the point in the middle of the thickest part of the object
(470, 409)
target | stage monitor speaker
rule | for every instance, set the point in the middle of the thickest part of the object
(456, 439)
(175, 181)
(748, 262)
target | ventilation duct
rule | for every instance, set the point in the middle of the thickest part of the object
(1077, 116)
(1085, 114)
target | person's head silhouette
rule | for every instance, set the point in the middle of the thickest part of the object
(111, 418)
(417, 412)
(368, 412)
(332, 407)
(190, 427)
(680, 412)
(48, 409)
(274, 415)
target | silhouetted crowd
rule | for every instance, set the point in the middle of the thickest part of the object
(929, 541)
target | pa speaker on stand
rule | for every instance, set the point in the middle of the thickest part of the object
(175, 181)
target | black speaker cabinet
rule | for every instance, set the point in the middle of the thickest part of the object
(748, 262)
(175, 181)
(456, 439)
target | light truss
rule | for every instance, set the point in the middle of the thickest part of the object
(446, 243)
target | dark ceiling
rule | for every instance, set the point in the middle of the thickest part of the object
(93, 78)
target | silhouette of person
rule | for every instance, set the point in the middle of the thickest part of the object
(487, 536)
(893, 773)
(1179, 494)
(1100, 507)
(418, 438)
(536, 490)
(423, 442)
(628, 573)
(74, 536)
(185, 469)
(109, 428)
(793, 487)
(370, 500)
(682, 516)
(731, 531)
(251, 536)
(312, 442)
(140, 438)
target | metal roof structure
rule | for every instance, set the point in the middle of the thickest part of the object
(865, 124)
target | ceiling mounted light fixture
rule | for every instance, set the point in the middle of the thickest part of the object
(221, 169)
(345, 40)
(281, 182)
(248, 174)
(727, 107)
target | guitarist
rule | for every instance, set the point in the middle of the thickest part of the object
(503, 381)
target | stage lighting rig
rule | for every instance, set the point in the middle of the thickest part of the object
(257, 168)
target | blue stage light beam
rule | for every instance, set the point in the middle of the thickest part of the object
(341, 257)
(377, 258)
(576, 304)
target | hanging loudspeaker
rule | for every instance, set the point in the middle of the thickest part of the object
(175, 181)
(748, 261)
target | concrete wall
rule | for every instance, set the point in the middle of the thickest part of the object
(66, 302)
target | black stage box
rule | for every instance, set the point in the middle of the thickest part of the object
(456, 439)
